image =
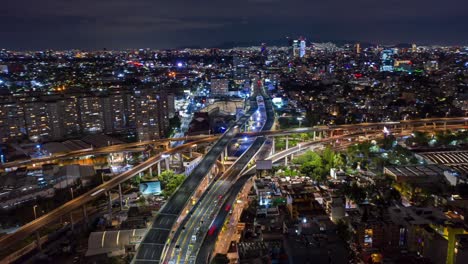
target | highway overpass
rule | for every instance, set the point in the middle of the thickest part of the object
(54, 215)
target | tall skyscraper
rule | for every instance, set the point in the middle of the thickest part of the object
(152, 118)
(358, 48)
(36, 120)
(295, 48)
(12, 125)
(302, 47)
(241, 68)
(90, 113)
(386, 60)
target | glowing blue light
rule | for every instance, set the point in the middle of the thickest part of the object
(179, 64)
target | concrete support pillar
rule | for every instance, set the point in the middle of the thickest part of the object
(190, 153)
(286, 161)
(287, 143)
(150, 173)
(38, 241)
(110, 204)
(315, 135)
(225, 152)
(331, 133)
(273, 146)
(292, 157)
(72, 222)
(120, 196)
(167, 163)
(140, 174)
(159, 168)
(181, 160)
(85, 215)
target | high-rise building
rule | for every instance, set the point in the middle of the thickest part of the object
(113, 110)
(295, 48)
(90, 114)
(36, 120)
(219, 86)
(55, 123)
(302, 47)
(171, 105)
(386, 60)
(69, 115)
(414, 48)
(241, 68)
(12, 125)
(151, 114)
(358, 48)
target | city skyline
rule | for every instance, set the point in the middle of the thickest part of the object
(125, 24)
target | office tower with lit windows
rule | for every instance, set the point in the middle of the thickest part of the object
(219, 86)
(302, 47)
(12, 125)
(152, 117)
(386, 60)
(69, 116)
(36, 120)
(358, 48)
(90, 114)
(241, 68)
(295, 48)
(113, 111)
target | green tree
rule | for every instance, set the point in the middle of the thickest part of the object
(328, 156)
(355, 193)
(338, 160)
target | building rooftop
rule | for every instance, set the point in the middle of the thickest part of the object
(110, 241)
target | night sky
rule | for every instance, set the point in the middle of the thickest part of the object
(121, 24)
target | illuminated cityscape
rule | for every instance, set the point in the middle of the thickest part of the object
(282, 146)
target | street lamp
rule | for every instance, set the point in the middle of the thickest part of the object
(34, 210)
(300, 120)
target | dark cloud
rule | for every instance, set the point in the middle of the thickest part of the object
(93, 24)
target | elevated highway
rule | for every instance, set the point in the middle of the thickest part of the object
(98, 151)
(152, 246)
(54, 215)
(197, 223)
(177, 202)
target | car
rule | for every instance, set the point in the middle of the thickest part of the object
(212, 230)
(227, 208)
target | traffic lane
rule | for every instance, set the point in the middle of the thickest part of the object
(165, 221)
(149, 252)
(198, 173)
(157, 236)
(238, 167)
(208, 243)
(207, 205)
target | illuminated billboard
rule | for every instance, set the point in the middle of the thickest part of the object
(150, 187)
